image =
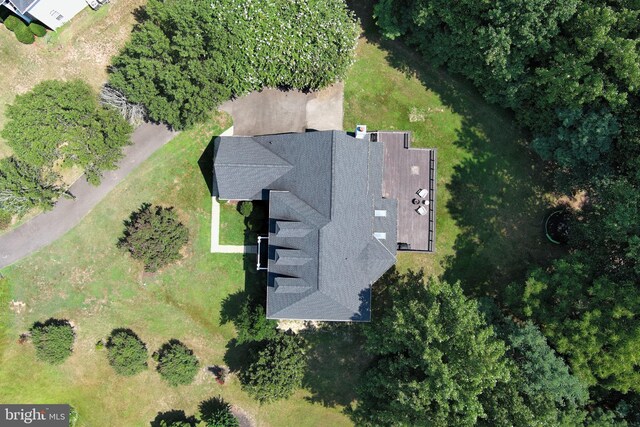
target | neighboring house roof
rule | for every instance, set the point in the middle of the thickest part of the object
(324, 189)
(22, 5)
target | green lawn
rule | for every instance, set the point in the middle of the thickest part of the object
(490, 200)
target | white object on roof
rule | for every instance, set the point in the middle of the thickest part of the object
(380, 236)
(422, 210)
(361, 131)
(380, 212)
(423, 192)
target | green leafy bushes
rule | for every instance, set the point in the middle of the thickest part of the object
(278, 369)
(23, 34)
(215, 412)
(252, 323)
(154, 235)
(5, 219)
(23, 187)
(187, 57)
(12, 22)
(38, 30)
(245, 208)
(126, 352)
(176, 363)
(53, 340)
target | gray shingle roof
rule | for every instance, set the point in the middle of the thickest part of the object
(22, 5)
(323, 256)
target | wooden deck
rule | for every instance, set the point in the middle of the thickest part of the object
(407, 170)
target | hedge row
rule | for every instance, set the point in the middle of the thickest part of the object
(25, 34)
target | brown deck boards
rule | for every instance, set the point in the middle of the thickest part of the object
(407, 170)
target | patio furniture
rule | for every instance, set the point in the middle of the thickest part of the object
(415, 201)
(425, 202)
(422, 210)
(423, 192)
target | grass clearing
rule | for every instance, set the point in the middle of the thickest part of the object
(490, 192)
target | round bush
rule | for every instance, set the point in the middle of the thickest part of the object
(38, 29)
(215, 412)
(23, 34)
(53, 340)
(155, 236)
(127, 353)
(12, 22)
(176, 363)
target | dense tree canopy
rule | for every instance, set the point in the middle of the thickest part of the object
(434, 356)
(62, 122)
(570, 70)
(184, 58)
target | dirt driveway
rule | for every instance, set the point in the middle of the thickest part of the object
(273, 111)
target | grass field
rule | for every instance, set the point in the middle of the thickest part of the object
(490, 197)
(80, 49)
(488, 208)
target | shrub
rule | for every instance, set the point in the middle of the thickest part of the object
(215, 412)
(12, 22)
(53, 340)
(245, 208)
(155, 236)
(126, 352)
(23, 34)
(176, 363)
(5, 219)
(252, 323)
(37, 29)
(73, 416)
(278, 369)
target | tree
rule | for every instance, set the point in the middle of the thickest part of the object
(62, 122)
(154, 235)
(215, 412)
(252, 324)
(53, 340)
(184, 58)
(591, 318)
(126, 352)
(278, 369)
(23, 187)
(433, 354)
(176, 363)
(540, 390)
(245, 208)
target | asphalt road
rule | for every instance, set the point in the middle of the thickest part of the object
(47, 227)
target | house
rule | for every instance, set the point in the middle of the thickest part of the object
(52, 13)
(335, 221)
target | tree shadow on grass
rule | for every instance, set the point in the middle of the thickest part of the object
(495, 194)
(172, 416)
(336, 362)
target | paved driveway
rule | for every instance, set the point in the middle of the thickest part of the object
(274, 111)
(49, 226)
